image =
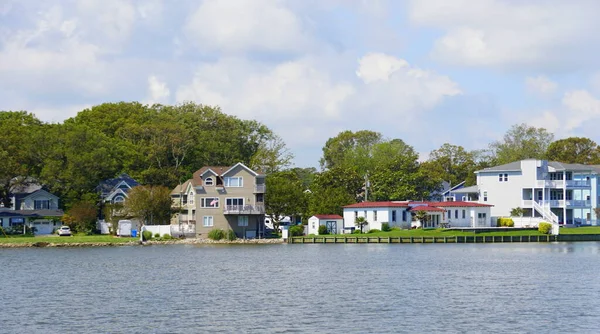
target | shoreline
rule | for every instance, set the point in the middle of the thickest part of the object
(41, 244)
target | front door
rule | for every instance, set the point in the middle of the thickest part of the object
(331, 227)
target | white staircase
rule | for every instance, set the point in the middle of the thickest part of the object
(548, 215)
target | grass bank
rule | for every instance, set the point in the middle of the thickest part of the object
(77, 239)
(453, 233)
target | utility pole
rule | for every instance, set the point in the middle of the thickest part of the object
(366, 187)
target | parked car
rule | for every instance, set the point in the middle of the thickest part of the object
(64, 231)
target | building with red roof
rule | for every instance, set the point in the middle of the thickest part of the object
(403, 214)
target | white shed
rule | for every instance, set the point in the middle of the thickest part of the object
(334, 223)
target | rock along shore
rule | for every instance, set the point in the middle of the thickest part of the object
(137, 243)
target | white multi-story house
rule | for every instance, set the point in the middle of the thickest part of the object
(556, 192)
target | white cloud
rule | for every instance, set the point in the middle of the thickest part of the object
(233, 26)
(581, 107)
(543, 34)
(377, 66)
(158, 91)
(540, 85)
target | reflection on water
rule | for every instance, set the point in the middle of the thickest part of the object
(375, 288)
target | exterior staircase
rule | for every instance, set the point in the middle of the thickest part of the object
(548, 215)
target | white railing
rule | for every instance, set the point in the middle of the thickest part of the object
(578, 203)
(572, 183)
(550, 183)
(244, 209)
(548, 215)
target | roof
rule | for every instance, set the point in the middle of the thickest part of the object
(107, 185)
(180, 188)
(31, 213)
(329, 216)
(427, 208)
(219, 170)
(471, 189)
(401, 204)
(559, 166)
(406, 204)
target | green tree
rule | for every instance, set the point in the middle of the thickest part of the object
(152, 205)
(517, 212)
(360, 222)
(421, 216)
(305, 175)
(350, 149)
(521, 142)
(83, 216)
(574, 150)
(16, 151)
(452, 163)
(285, 196)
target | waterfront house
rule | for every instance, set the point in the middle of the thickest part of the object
(401, 214)
(115, 190)
(334, 224)
(549, 191)
(223, 197)
(32, 206)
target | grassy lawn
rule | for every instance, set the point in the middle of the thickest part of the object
(581, 230)
(434, 233)
(61, 240)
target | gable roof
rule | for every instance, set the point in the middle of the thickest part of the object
(243, 166)
(426, 208)
(509, 167)
(378, 204)
(39, 192)
(559, 166)
(328, 216)
(406, 204)
(106, 187)
(458, 186)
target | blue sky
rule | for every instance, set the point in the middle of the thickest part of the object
(425, 71)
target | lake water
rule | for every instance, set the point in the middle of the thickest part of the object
(375, 288)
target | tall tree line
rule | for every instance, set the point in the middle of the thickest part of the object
(157, 145)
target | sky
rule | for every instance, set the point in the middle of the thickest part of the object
(425, 71)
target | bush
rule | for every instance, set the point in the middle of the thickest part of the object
(216, 234)
(167, 236)
(356, 232)
(323, 230)
(296, 231)
(231, 235)
(505, 222)
(385, 227)
(545, 228)
(146, 235)
(374, 231)
(157, 235)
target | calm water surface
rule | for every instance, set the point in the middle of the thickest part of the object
(463, 288)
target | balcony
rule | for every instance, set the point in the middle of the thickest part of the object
(259, 188)
(244, 210)
(579, 203)
(550, 183)
(578, 184)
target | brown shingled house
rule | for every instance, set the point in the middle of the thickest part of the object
(225, 198)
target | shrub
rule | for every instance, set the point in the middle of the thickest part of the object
(167, 236)
(146, 235)
(505, 222)
(157, 235)
(231, 235)
(356, 232)
(296, 231)
(216, 234)
(374, 231)
(545, 228)
(323, 230)
(385, 227)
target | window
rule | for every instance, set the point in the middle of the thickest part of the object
(505, 177)
(191, 197)
(1, 222)
(118, 199)
(234, 201)
(481, 215)
(41, 204)
(355, 214)
(449, 214)
(16, 221)
(207, 221)
(242, 220)
(394, 216)
(233, 181)
(403, 216)
(209, 202)
(500, 177)
(485, 196)
(464, 214)
(209, 181)
(455, 214)
(365, 214)
(374, 215)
